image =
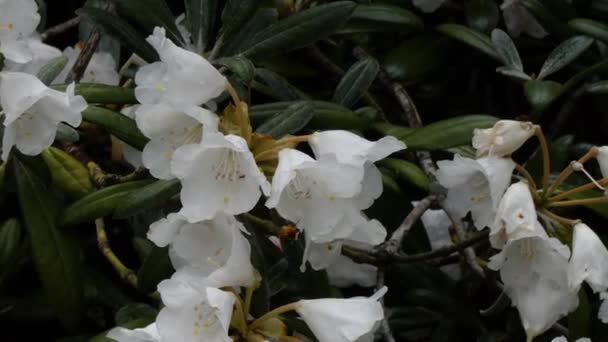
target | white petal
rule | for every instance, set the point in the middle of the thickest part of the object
(18, 92)
(147, 334)
(151, 83)
(589, 260)
(163, 231)
(344, 272)
(504, 138)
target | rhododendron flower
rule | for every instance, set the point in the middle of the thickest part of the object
(182, 78)
(504, 138)
(147, 334)
(344, 272)
(343, 320)
(589, 260)
(18, 21)
(352, 149)
(194, 314)
(212, 252)
(315, 194)
(217, 175)
(169, 129)
(41, 54)
(33, 111)
(535, 278)
(475, 186)
(101, 68)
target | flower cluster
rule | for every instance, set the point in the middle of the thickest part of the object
(540, 273)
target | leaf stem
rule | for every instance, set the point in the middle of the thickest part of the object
(546, 157)
(586, 187)
(276, 312)
(558, 218)
(571, 203)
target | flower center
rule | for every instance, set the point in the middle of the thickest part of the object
(301, 186)
(8, 26)
(204, 317)
(229, 167)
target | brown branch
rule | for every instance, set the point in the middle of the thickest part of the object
(80, 66)
(386, 328)
(393, 245)
(468, 253)
(59, 28)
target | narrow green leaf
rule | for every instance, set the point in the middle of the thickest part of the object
(276, 86)
(590, 28)
(99, 203)
(470, 37)
(301, 29)
(56, 256)
(541, 94)
(382, 17)
(201, 19)
(262, 112)
(147, 197)
(134, 311)
(150, 14)
(416, 58)
(52, 69)
(564, 54)
(117, 124)
(122, 31)
(235, 14)
(482, 15)
(102, 93)
(263, 18)
(355, 82)
(10, 242)
(407, 171)
(399, 132)
(289, 121)
(447, 133)
(67, 172)
(600, 87)
(242, 67)
(155, 268)
(506, 49)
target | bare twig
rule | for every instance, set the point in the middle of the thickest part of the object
(59, 28)
(103, 244)
(468, 253)
(85, 57)
(393, 245)
(386, 328)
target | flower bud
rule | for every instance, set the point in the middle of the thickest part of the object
(503, 139)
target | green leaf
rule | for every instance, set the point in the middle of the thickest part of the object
(147, 197)
(399, 132)
(235, 14)
(242, 67)
(545, 16)
(150, 14)
(67, 173)
(99, 203)
(447, 133)
(482, 15)
(470, 37)
(355, 82)
(201, 19)
(288, 121)
(301, 29)
(66, 133)
(122, 31)
(52, 69)
(382, 17)
(506, 49)
(407, 171)
(56, 255)
(590, 28)
(276, 86)
(134, 311)
(10, 243)
(564, 54)
(541, 94)
(155, 268)
(600, 87)
(102, 93)
(262, 19)
(122, 127)
(416, 58)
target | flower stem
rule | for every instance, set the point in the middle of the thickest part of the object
(586, 187)
(568, 171)
(558, 218)
(104, 246)
(595, 200)
(240, 316)
(527, 176)
(546, 157)
(233, 94)
(276, 312)
(248, 298)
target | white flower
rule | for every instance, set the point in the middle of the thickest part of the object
(193, 314)
(437, 225)
(18, 21)
(181, 78)
(504, 138)
(147, 334)
(516, 216)
(602, 159)
(352, 149)
(475, 185)
(518, 20)
(213, 252)
(533, 270)
(315, 194)
(344, 272)
(169, 129)
(343, 320)
(563, 339)
(41, 54)
(101, 68)
(589, 260)
(428, 6)
(218, 175)
(33, 111)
